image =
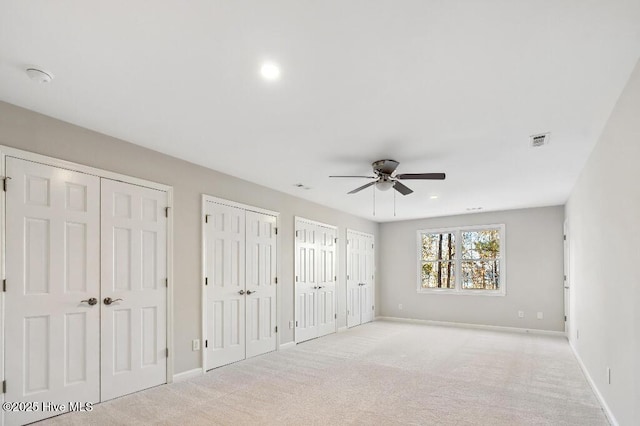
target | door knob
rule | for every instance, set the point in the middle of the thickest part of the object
(108, 300)
(250, 292)
(241, 292)
(91, 301)
(320, 286)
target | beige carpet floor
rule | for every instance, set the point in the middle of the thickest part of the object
(382, 373)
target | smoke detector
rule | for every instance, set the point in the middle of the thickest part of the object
(38, 75)
(539, 140)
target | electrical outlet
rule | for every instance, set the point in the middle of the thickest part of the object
(520, 314)
(195, 345)
(400, 306)
(291, 324)
(540, 316)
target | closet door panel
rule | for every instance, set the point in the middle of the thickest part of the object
(52, 351)
(306, 282)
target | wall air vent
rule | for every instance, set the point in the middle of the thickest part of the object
(539, 140)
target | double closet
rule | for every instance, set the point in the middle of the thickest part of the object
(86, 267)
(240, 282)
(315, 279)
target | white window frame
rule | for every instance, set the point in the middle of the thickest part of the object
(458, 290)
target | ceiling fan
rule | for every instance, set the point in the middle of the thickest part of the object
(385, 178)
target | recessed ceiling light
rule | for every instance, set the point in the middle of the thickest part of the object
(433, 197)
(270, 71)
(39, 76)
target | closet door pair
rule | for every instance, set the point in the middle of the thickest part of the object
(240, 284)
(315, 280)
(85, 301)
(360, 278)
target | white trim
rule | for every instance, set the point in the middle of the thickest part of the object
(186, 375)
(203, 259)
(6, 151)
(474, 326)
(457, 262)
(313, 222)
(229, 203)
(603, 403)
(68, 165)
(286, 346)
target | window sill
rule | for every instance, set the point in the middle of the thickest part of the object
(490, 293)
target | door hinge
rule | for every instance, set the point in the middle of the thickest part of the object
(373, 308)
(276, 230)
(296, 278)
(166, 282)
(335, 278)
(348, 312)
(296, 323)
(564, 237)
(206, 281)
(276, 280)
(276, 328)
(166, 211)
(335, 240)
(347, 276)
(297, 233)
(565, 318)
(206, 343)
(371, 245)
(335, 316)
(4, 183)
(4, 285)
(4, 386)
(206, 218)
(565, 277)
(167, 352)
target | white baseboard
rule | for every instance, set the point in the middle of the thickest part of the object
(603, 403)
(475, 326)
(288, 345)
(341, 329)
(186, 375)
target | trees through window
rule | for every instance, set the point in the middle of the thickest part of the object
(462, 260)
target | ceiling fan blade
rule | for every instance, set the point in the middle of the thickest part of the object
(362, 187)
(368, 177)
(385, 166)
(401, 188)
(431, 176)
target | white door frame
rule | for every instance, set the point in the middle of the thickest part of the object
(335, 260)
(373, 280)
(566, 290)
(6, 151)
(203, 295)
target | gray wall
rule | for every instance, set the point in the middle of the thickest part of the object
(33, 132)
(534, 279)
(603, 216)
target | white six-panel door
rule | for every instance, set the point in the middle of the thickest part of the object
(65, 255)
(225, 284)
(260, 283)
(315, 280)
(360, 278)
(240, 283)
(134, 276)
(327, 278)
(306, 282)
(52, 350)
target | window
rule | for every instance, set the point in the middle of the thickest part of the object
(466, 260)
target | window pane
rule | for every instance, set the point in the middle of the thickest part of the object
(483, 275)
(438, 246)
(438, 275)
(483, 244)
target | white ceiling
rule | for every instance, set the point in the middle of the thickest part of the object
(440, 86)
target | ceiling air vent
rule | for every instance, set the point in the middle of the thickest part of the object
(539, 140)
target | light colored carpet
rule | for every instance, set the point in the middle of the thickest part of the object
(382, 373)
